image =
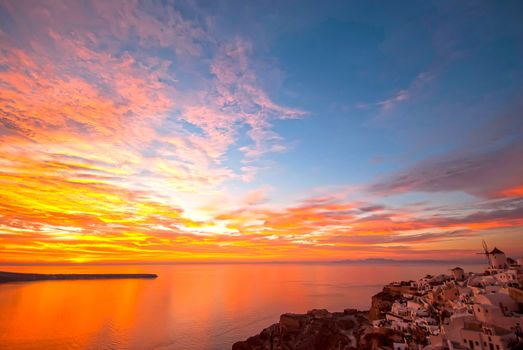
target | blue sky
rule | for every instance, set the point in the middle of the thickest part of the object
(224, 130)
(458, 63)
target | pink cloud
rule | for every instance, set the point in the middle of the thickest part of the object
(484, 173)
(401, 95)
(256, 196)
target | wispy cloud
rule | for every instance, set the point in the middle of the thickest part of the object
(101, 142)
(494, 172)
(402, 95)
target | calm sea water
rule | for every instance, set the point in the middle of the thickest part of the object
(200, 306)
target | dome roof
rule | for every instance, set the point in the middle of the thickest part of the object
(496, 251)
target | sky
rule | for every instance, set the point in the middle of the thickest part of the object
(170, 131)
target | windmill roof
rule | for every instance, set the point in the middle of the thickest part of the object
(496, 251)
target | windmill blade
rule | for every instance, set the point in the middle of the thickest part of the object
(487, 252)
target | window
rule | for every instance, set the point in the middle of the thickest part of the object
(497, 346)
(477, 343)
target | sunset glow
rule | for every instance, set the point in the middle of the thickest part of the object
(157, 132)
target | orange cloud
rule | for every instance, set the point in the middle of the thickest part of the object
(103, 156)
(106, 154)
(512, 192)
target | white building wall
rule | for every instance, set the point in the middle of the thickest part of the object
(498, 261)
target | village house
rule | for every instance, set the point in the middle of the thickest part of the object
(462, 310)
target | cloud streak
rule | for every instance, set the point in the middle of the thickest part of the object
(491, 173)
(135, 131)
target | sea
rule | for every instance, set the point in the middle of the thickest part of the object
(189, 306)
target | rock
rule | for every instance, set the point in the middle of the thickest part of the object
(291, 322)
(381, 304)
(319, 313)
(316, 330)
(350, 311)
(320, 329)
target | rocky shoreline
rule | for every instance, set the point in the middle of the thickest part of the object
(321, 329)
(6, 277)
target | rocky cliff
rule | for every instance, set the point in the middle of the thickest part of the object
(320, 330)
(381, 304)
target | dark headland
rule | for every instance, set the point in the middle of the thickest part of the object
(28, 277)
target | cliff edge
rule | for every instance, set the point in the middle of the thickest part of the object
(320, 329)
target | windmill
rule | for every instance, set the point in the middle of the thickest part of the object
(486, 252)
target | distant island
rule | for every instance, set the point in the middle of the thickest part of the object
(29, 277)
(411, 261)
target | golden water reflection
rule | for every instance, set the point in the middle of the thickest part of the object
(192, 306)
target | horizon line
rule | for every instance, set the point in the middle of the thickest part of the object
(254, 262)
